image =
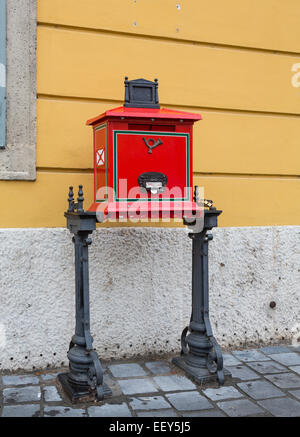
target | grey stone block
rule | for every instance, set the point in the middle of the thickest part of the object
(290, 359)
(250, 355)
(230, 360)
(49, 376)
(207, 413)
(174, 383)
(260, 390)
(110, 410)
(21, 411)
(18, 159)
(51, 394)
(63, 412)
(295, 369)
(190, 400)
(269, 350)
(149, 403)
(283, 407)
(159, 413)
(21, 394)
(158, 367)
(284, 380)
(20, 380)
(219, 394)
(265, 367)
(243, 373)
(136, 386)
(126, 370)
(240, 408)
(295, 393)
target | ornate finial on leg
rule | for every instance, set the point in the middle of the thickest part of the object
(71, 200)
(80, 200)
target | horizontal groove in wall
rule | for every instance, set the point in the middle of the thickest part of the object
(64, 170)
(167, 39)
(246, 175)
(169, 105)
(199, 174)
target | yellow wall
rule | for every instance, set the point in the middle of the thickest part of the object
(231, 61)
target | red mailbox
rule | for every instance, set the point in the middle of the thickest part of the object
(143, 158)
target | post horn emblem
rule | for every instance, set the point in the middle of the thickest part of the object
(155, 143)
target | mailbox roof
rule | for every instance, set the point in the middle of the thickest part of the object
(145, 113)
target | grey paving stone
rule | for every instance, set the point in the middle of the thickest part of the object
(269, 350)
(284, 380)
(158, 367)
(48, 376)
(174, 383)
(282, 407)
(149, 403)
(260, 390)
(136, 386)
(290, 359)
(21, 411)
(250, 355)
(295, 369)
(207, 413)
(295, 348)
(20, 380)
(267, 367)
(230, 360)
(126, 370)
(240, 408)
(219, 394)
(295, 393)
(161, 413)
(51, 394)
(21, 394)
(108, 380)
(63, 412)
(190, 400)
(243, 373)
(110, 410)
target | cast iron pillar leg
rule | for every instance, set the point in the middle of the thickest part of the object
(201, 356)
(84, 382)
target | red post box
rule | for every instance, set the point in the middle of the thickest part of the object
(143, 158)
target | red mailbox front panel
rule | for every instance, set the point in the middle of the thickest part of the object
(139, 152)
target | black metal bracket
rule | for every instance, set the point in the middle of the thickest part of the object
(84, 382)
(201, 356)
(141, 93)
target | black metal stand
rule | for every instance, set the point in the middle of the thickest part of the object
(201, 356)
(84, 382)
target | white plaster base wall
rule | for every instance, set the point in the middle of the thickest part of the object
(140, 284)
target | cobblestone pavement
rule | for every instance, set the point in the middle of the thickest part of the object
(265, 382)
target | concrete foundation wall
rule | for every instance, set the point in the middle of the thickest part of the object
(140, 282)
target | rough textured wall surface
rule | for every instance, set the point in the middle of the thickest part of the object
(140, 280)
(17, 160)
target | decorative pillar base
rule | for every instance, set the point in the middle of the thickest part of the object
(198, 374)
(84, 381)
(78, 393)
(201, 356)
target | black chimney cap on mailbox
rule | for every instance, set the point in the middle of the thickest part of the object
(141, 93)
